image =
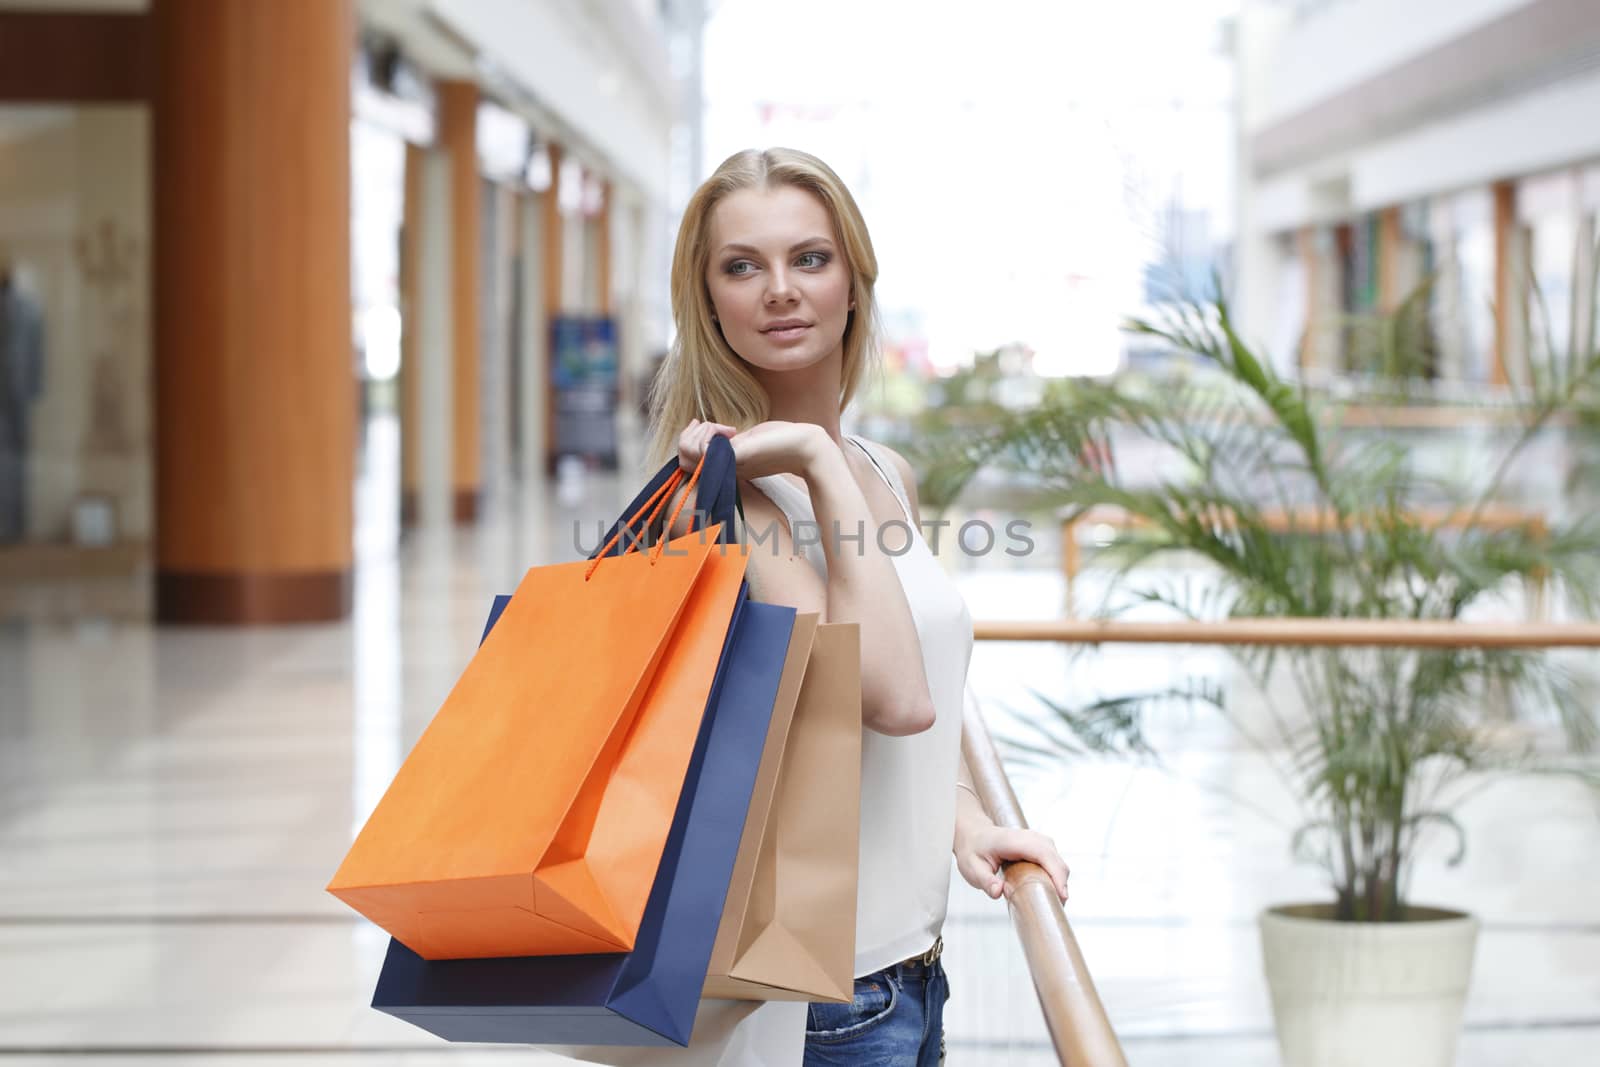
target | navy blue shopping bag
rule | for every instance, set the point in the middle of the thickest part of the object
(716, 494)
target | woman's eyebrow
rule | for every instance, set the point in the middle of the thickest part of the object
(792, 248)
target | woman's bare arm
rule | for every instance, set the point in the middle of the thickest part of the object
(862, 587)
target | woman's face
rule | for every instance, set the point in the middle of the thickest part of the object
(779, 282)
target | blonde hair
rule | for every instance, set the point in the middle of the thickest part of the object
(703, 377)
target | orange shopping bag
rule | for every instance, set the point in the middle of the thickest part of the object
(531, 815)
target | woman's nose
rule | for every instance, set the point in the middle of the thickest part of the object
(778, 288)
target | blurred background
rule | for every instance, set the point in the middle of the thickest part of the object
(322, 320)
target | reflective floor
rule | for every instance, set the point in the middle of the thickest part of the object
(172, 802)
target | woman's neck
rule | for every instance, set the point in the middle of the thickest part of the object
(807, 395)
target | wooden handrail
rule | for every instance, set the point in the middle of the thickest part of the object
(1333, 410)
(1397, 633)
(1493, 518)
(1304, 520)
(1077, 1021)
(1439, 417)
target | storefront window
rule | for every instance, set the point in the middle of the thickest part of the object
(1462, 305)
(1587, 259)
(1548, 216)
(1324, 265)
(75, 337)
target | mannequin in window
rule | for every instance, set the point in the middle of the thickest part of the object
(21, 380)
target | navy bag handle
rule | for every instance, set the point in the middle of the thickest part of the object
(717, 496)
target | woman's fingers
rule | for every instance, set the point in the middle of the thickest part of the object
(1043, 852)
(690, 445)
(1034, 847)
(992, 881)
(981, 874)
(696, 438)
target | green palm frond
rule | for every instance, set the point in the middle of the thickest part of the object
(1111, 725)
(1295, 515)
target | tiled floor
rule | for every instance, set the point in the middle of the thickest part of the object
(172, 802)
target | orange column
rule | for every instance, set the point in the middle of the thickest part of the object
(1305, 241)
(410, 324)
(1389, 240)
(255, 371)
(553, 236)
(602, 242)
(1506, 315)
(458, 136)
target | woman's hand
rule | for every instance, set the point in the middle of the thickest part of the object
(770, 447)
(693, 440)
(980, 854)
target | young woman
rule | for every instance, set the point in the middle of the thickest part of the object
(772, 293)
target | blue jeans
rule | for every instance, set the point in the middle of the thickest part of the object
(895, 1020)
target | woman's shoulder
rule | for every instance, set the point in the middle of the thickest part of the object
(908, 476)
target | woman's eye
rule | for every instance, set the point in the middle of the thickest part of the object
(736, 265)
(818, 259)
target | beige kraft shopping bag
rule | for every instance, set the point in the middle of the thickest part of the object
(788, 928)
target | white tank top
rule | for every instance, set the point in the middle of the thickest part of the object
(908, 784)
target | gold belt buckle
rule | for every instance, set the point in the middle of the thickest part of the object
(927, 958)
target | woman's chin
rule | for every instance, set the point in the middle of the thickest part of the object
(786, 361)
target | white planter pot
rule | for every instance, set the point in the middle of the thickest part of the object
(1367, 994)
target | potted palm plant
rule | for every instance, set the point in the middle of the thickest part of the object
(1299, 516)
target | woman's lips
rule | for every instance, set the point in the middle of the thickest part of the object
(788, 333)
